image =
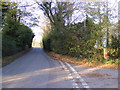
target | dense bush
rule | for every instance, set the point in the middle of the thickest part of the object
(114, 49)
(24, 37)
(77, 41)
(8, 46)
(74, 40)
(86, 39)
(11, 45)
(15, 35)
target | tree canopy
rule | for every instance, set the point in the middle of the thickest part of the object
(15, 35)
(82, 39)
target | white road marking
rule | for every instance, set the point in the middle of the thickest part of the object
(85, 85)
(75, 85)
(78, 77)
(70, 75)
(75, 72)
(63, 66)
(81, 80)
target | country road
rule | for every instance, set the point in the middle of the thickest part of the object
(36, 70)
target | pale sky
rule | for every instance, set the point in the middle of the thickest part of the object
(40, 16)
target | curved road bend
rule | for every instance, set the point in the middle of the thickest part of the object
(35, 70)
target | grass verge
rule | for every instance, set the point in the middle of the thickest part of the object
(83, 62)
(9, 59)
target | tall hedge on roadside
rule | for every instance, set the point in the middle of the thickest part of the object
(15, 35)
(74, 40)
(8, 46)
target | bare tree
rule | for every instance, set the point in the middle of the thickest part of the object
(58, 13)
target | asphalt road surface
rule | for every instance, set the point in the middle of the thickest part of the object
(36, 70)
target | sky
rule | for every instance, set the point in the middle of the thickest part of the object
(38, 31)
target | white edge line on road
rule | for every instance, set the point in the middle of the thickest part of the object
(63, 65)
(78, 76)
(75, 85)
(82, 81)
